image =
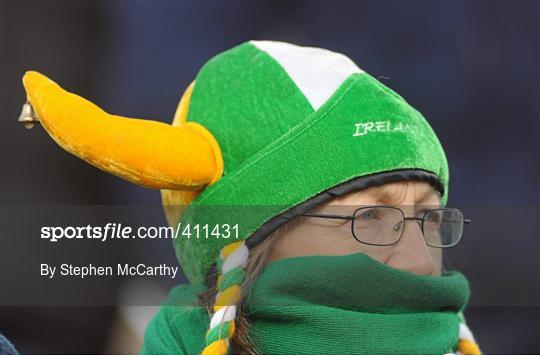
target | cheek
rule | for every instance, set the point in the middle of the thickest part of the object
(340, 241)
(379, 253)
(383, 253)
(323, 242)
(316, 240)
(334, 241)
(437, 256)
(297, 244)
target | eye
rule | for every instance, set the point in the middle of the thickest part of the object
(368, 215)
(432, 216)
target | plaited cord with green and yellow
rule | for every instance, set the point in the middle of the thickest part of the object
(230, 263)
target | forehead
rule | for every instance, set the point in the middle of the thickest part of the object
(400, 192)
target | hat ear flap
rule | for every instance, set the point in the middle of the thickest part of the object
(148, 153)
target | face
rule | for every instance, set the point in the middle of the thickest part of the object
(322, 236)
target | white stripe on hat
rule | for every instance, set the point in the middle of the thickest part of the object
(317, 72)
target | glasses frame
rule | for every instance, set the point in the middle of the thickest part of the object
(420, 221)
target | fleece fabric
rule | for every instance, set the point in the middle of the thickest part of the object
(352, 304)
(280, 151)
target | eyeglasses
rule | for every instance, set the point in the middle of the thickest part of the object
(384, 225)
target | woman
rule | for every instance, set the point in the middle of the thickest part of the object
(322, 272)
(320, 298)
(311, 202)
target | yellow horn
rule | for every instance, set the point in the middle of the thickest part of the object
(148, 153)
(176, 201)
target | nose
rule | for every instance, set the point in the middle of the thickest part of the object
(411, 252)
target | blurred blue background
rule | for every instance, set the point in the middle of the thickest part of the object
(472, 69)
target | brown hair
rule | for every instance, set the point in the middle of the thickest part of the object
(257, 260)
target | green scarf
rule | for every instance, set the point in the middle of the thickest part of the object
(349, 304)
(353, 304)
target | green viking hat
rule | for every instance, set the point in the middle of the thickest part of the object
(267, 131)
(297, 126)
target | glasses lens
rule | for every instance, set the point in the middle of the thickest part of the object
(378, 225)
(443, 227)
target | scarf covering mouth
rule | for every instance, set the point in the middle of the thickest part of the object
(349, 304)
(353, 304)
